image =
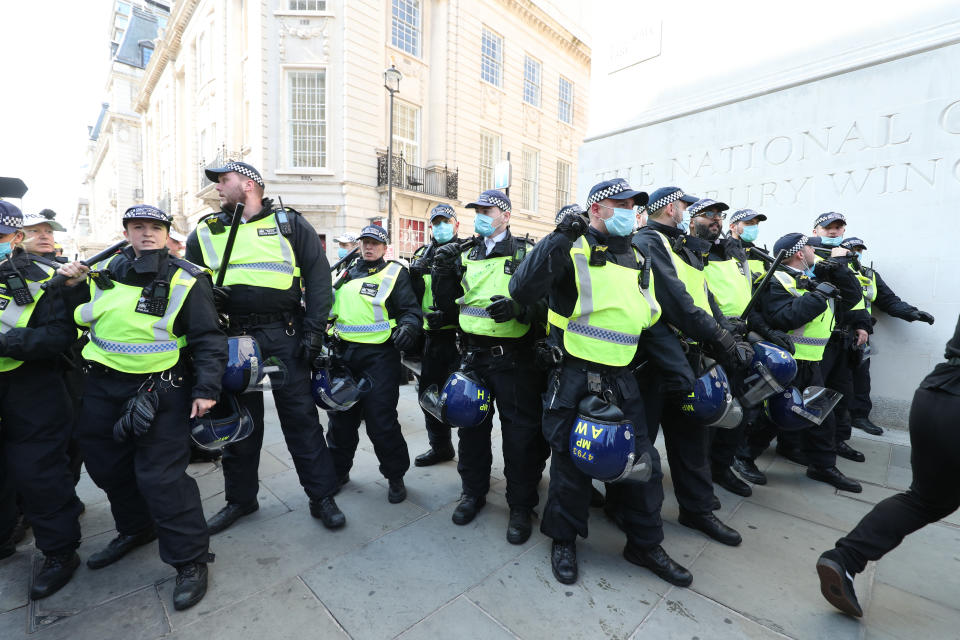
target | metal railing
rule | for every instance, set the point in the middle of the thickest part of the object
(434, 181)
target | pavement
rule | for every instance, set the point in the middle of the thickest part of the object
(405, 571)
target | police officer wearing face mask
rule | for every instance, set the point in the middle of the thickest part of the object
(499, 334)
(852, 331)
(377, 316)
(877, 295)
(602, 305)
(346, 243)
(744, 227)
(805, 302)
(440, 356)
(35, 410)
(278, 290)
(678, 266)
(155, 358)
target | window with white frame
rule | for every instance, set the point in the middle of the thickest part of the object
(307, 5)
(531, 81)
(405, 29)
(406, 131)
(306, 119)
(563, 183)
(413, 234)
(489, 156)
(531, 179)
(565, 101)
(491, 57)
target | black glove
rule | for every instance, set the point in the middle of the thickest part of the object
(737, 326)
(572, 225)
(3, 344)
(922, 316)
(447, 256)
(405, 338)
(436, 320)
(312, 345)
(827, 290)
(502, 309)
(221, 297)
(781, 339)
(736, 353)
(824, 268)
(138, 415)
(418, 267)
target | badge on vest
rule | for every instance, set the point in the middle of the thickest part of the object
(271, 231)
(369, 289)
(598, 255)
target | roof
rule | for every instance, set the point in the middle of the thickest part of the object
(141, 31)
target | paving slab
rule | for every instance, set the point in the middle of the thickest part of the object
(874, 468)
(772, 580)
(899, 615)
(927, 564)
(88, 491)
(686, 614)
(270, 506)
(285, 610)
(899, 475)
(459, 619)
(15, 578)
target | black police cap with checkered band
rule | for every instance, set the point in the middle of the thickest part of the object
(703, 204)
(853, 243)
(492, 198)
(793, 242)
(616, 189)
(666, 195)
(745, 215)
(826, 218)
(242, 168)
(570, 208)
(442, 211)
(145, 212)
(11, 218)
(374, 232)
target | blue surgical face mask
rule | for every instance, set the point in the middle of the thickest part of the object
(622, 222)
(342, 252)
(5, 249)
(859, 255)
(483, 224)
(442, 232)
(684, 225)
(831, 242)
(750, 232)
(807, 269)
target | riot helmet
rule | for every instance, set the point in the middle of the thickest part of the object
(602, 443)
(464, 401)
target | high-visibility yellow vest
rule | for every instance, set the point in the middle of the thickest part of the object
(484, 278)
(810, 339)
(262, 256)
(360, 306)
(868, 283)
(122, 338)
(13, 316)
(731, 284)
(427, 301)
(611, 311)
(693, 279)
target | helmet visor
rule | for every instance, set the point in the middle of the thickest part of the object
(430, 402)
(818, 402)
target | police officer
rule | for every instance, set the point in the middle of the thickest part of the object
(346, 242)
(35, 411)
(806, 309)
(376, 317)
(277, 289)
(155, 358)
(601, 304)
(499, 334)
(678, 268)
(744, 227)
(876, 294)
(440, 356)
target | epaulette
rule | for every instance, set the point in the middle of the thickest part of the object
(421, 250)
(189, 267)
(867, 272)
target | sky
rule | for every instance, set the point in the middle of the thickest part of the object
(53, 73)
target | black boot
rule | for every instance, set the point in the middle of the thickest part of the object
(563, 561)
(191, 585)
(230, 514)
(835, 584)
(56, 572)
(119, 547)
(864, 424)
(519, 528)
(467, 510)
(433, 455)
(747, 469)
(727, 479)
(328, 512)
(834, 477)
(657, 560)
(846, 451)
(710, 525)
(396, 491)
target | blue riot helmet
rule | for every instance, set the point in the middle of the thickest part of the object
(770, 372)
(335, 389)
(244, 362)
(711, 403)
(227, 422)
(602, 443)
(463, 402)
(792, 410)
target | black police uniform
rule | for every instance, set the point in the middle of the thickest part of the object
(279, 322)
(380, 364)
(36, 415)
(506, 366)
(440, 356)
(145, 476)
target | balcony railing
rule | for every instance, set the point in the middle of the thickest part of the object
(223, 157)
(434, 181)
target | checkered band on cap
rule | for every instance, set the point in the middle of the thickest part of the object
(15, 222)
(570, 208)
(741, 214)
(796, 247)
(609, 192)
(703, 204)
(497, 202)
(665, 200)
(828, 217)
(244, 170)
(375, 232)
(444, 210)
(145, 211)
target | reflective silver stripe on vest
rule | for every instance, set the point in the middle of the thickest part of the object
(206, 238)
(606, 335)
(790, 286)
(12, 314)
(362, 328)
(139, 348)
(278, 267)
(476, 312)
(813, 342)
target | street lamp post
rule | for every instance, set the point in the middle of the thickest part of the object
(391, 80)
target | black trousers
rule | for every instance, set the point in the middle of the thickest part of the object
(816, 441)
(516, 384)
(934, 493)
(299, 421)
(838, 376)
(74, 379)
(377, 408)
(724, 443)
(860, 403)
(568, 499)
(145, 477)
(35, 424)
(440, 359)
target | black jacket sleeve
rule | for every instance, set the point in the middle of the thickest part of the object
(891, 303)
(315, 275)
(844, 278)
(49, 333)
(542, 270)
(784, 311)
(403, 304)
(205, 341)
(446, 287)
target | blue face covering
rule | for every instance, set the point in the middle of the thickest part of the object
(750, 233)
(831, 242)
(622, 222)
(442, 232)
(483, 224)
(342, 252)
(5, 249)
(684, 225)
